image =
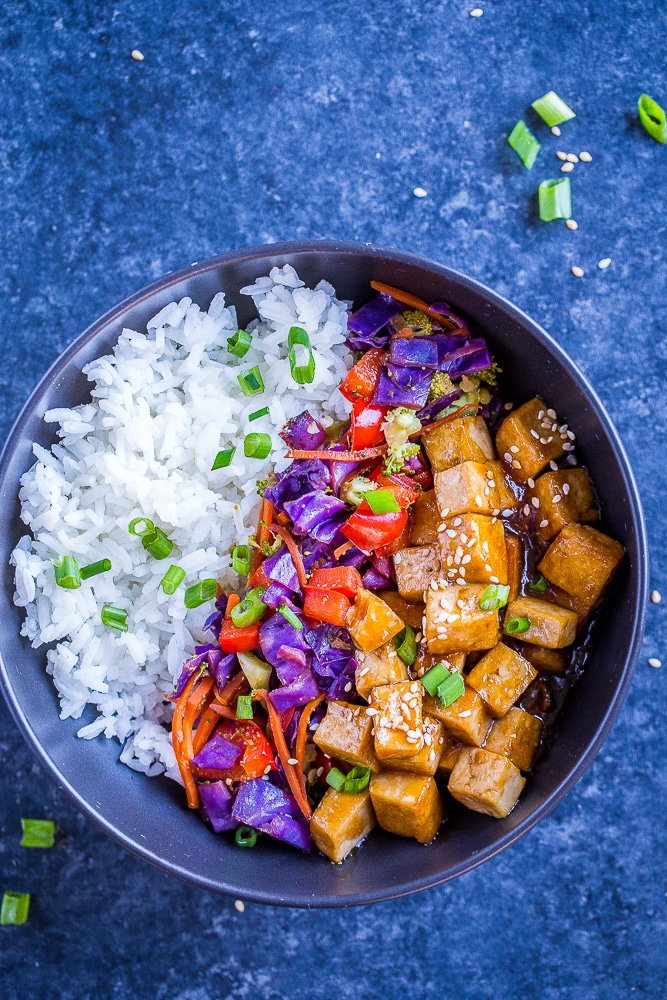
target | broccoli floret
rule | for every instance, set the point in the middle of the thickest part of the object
(263, 484)
(441, 385)
(419, 321)
(353, 491)
(396, 458)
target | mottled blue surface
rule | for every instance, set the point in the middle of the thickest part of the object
(251, 123)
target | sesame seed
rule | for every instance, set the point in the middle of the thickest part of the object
(419, 192)
(572, 158)
(267, 769)
(531, 483)
(526, 510)
(561, 155)
(567, 168)
(604, 263)
(397, 559)
(653, 661)
(493, 520)
(466, 559)
(566, 488)
(348, 686)
(534, 433)
(462, 571)
(461, 604)
(544, 523)
(508, 406)
(571, 224)
(656, 596)
(238, 903)
(514, 449)
(553, 465)
(461, 581)
(456, 522)
(433, 585)
(535, 502)
(507, 457)
(578, 272)
(414, 687)
(494, 579)
(445, 512)
(585, 157)
(464, 715)
(451, 533)
(292, 760)
(488, 568)
(441, 528)
(428, 739)
(568, 447)
(477, 12)
(557, 498)
(471, 541)
(431, 756)
(571, 435)
(371, 711)
(516, 464)
(485, 545)
(555, 130)
(136, 54)
(478, 501)
(507, 511)
(551, 414)
(571, 460)
(496, 512)
(320, 772)
(540, 414)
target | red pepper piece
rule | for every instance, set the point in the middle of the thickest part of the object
(366, 424)
(239, 640)
(361, 380)
(400, 486)
(402, 542)
(257, 753)
(343, 579)
(325, 606)
(370, 532)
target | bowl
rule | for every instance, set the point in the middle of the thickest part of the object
(148, 816)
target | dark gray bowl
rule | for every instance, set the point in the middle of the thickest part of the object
(148, 815)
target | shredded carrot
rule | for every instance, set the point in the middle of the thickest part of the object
(302, 730)
(342, 549)
(262, 534)
(464, 411)
(179, 743)
(205, 727)
(281, 518)
(405, 333)
(283, 533)
(411, 300)
(232, 601)
(196, 704)
(224, 710)
(292, 772)
(339, 456)
(232, 689)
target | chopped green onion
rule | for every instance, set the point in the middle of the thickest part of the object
(172, 579)
(538, 584)
(200, 593)
(245, 836)
(494, 597)
(239, 344)
(94, 569)
(552, 109)
(15, 906)
(67, 573)
(515, 626)
(300, 373)
(291, 617)
(434, 677)
(223, 459)
(405, 645)
(157, 544)
(114, 618)
(524, 144)
(241, 559)
(244, 706)
(251, 382)
(382, 502)
(653, 118)
(352, 783)
(555, 198)
(134, 527)
(451, 688)
(38, 832)
(250, 610)
(257, 445)
(258, 413)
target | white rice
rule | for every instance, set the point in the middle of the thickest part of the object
(163, 404)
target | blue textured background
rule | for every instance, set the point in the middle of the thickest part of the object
(250, 123)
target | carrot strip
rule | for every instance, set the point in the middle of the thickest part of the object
(224, 710)
(262, 534)
(232, 601)
(302, 730)
(462, 412)
(339, 456)
(415, 303)
(196, 704)
(342, 549)
(231, 689)
(293, 774)
(205, 727)
(283, 533)
(179, 743)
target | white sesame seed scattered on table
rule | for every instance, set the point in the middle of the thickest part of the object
(561, 155)
(136, 54)
(239, 905)
(571, 224)
(555, 130)
(477, 12)
(653, 661)
(567, 167)
(585, 157)
(604, 263)
(656, 596)
(578, 272)
(419, 192)
(572, 158)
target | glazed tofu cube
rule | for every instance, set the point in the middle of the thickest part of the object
(415, 568)
(371, 622)
(500, 678)
(455, 622)
(383, 666)
(424, 519)
(398, 727)
(581, 561)
(514, 548)
(346, 733)
(464, 440)
(517, 736)
(486, 782)
(407, 804)
(467, 718)
(426, 760)
(408, 611)
(472, 546)
(341, 821)
(582, 610)
(545, 661)
(507, 500)
(466, 489)
(564, 496)
(550, 625)
(451, 748)
(529, 438)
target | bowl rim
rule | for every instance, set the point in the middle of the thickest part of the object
(639, 572)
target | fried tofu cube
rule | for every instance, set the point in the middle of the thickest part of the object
(581, 561)
(466, 439)
(410, 612)
(399, 732)
(466, 489)
(507, 500)
(582, 610)
(467, 718)
(455, 622)
(517, 736)
(545, 661)
(341, 821)
(407, 804)
(371, 622)
(424, 519)
(345, 732)
(550, 625)
(415, 568)
(501, 677)
(564, 496)
(473, 546)
(451, 748)
(383, 666)
(529, 438)
(486, 782)
(426, 760)
(514, 547)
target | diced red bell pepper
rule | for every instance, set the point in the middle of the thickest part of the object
(361, 380)
(344, 579)
(366, 424)
(401, 486)
(370, 532)
(257, 753)
(325, 606)
(402, 542)
(239, 640)
(259, 578)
